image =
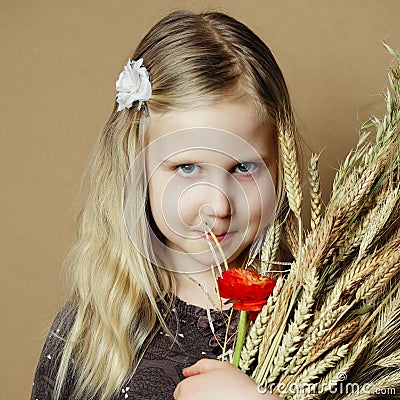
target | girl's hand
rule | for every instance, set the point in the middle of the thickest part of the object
(212, 379)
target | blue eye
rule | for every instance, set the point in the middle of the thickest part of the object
(188, 169)
(245, 167)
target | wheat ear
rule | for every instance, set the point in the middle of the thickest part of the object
(353, 238)
(391, 361)
(291, 234)
(318, 329)
(380, 277)
(372, 266)
(315, 191)
(337, 336)
(275, 329)
(297, 327)
(270, 246)
(315, 370)
(257, 329)
(383, 213)
(389, 382)
(290, 168)
(338, 374)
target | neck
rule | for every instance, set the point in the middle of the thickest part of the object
(199, 289)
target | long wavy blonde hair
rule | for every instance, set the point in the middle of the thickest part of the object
(193, 60)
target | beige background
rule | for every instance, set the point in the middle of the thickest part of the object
(59, 62)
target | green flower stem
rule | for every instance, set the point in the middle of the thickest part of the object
(240, 338)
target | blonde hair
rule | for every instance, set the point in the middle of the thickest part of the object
(193, 60)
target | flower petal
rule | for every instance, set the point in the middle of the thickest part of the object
(133, 84)
(248, 289)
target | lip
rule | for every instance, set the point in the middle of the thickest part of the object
(220, 237)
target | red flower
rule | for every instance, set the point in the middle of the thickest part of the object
(247, 289)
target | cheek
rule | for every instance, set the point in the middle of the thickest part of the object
(261, 202)
(188, 206)
(160, 208)
(173, 206)
(155, 202)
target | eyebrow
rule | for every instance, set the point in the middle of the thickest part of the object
(180, 159)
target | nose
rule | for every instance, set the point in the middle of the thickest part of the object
(217, 203)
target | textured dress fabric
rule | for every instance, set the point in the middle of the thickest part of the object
(160, 368)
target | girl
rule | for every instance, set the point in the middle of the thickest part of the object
(191, 146)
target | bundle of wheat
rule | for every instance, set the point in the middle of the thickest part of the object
(330, 328)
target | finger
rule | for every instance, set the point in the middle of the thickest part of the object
(202, 366)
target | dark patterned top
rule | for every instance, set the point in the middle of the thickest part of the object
(160, 369)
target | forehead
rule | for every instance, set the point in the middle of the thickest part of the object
(232, 127)
(196, 145)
